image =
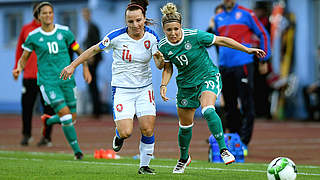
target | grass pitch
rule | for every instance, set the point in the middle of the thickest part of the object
(28, 165)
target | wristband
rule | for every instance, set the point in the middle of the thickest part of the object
(163, 85)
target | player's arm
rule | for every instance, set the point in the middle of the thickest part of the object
(166, 76)
(158, 59)
(86, 72)
(21, 64)
(87, 54)
(228, 42)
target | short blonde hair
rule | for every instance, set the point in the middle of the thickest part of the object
(170, 14)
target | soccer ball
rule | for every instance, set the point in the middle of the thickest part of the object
(282, 168)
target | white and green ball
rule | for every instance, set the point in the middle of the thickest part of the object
(282, 168)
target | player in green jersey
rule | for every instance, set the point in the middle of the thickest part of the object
(51, 43)
(198, 79)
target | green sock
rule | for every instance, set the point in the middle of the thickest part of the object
(184, 138)
(55, 119)
(70, 132)
(215, 126)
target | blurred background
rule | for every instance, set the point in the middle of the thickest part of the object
(283, 91)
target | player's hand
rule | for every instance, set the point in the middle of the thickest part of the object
(16, 73)
(163, 92)
(87, 75)
(258, 52)
(67, 72)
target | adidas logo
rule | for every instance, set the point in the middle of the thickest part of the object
(170, 53)
(41, 39)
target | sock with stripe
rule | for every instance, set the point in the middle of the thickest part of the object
(184, 138)
(55, 119)
(70, 132)
(146, 148)
(215, 125)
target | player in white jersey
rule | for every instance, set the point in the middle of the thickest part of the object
(133, 48)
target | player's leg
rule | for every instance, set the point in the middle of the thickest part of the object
(123, 113)
(184, 137)
(208, 95)
(123, 131)
(47, 113)
(146, 113)
(245, 87)
(29, 94)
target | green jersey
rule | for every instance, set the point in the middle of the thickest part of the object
(190, 56)
(52, 52)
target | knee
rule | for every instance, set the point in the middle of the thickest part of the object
(147, 131)
(125, 133)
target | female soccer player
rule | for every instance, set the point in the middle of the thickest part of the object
(133, 47)
(198, 79)
(51, 43)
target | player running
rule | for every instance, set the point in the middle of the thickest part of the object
(198, 80)
(50, 43)
(133, 48)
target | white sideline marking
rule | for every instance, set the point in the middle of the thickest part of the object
(160, 166)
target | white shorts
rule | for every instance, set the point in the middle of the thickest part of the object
(129, 102)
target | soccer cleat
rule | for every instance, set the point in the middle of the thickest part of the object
(78, 156)
(181, 165)
(26, 140)
(146, 170)
(117, 143)
(227, 157)
(44, 118)
(44, 142)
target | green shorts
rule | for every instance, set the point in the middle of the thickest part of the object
(59, 96)
(189, 97)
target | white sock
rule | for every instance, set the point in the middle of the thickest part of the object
(146, 153)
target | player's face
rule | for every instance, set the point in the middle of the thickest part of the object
(135, 21)
(173, 31)
(46, 15)
(229, 3)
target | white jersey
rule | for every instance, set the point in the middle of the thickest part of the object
(131, 58)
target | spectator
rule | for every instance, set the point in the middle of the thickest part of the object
(92, 38)
(311, 95)
(237, 67)
(30, 90)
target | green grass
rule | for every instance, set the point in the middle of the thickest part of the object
(26, 165)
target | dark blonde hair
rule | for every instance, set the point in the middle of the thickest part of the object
(170, 14)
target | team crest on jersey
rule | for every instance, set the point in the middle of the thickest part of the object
(184, 102)
(188, 46)
(59, 36)
(119, 107)
(147, 44)
(238, 15)
(52, 95)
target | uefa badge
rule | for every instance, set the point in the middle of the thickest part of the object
(187, 46)
(59, 36)
(106, 42)
(147, 44)
(119, 107)
(184, 102)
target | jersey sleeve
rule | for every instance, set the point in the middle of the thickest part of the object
(206, 39)
(257, 27)
(70, 40)
(105, 44)
(28, 45)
